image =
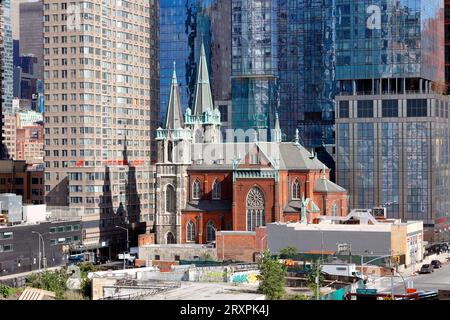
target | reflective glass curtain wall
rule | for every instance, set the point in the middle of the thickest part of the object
(283, 61)
(306, 69)
(183, 25)
(254, 62)
(389, 39)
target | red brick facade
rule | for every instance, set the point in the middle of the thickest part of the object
(277, 194)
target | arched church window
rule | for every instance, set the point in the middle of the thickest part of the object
(170, 199)
(210, 231)
(190, 231)
(296, 190)
(198, 136)
(216, 190)
(196, 190)
(170, 238)
(169, 151)
(255, 209)
(335, 210)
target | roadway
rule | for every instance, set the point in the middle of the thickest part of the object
(439, 279)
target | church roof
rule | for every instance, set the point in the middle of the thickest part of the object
(294, 206)
(208, 205)
(174, 117)
(284, 156)
(326, 186)
(203, 96)
(295, 156)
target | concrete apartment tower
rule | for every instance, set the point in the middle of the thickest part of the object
(100, 73)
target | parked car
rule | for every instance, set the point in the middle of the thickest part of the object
(436, 264)
(426, 268)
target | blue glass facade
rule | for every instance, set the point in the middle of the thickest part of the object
(389, 39)
(306, 69)
(183, 25)
(392, 121)
(283, 60)
(397, 156)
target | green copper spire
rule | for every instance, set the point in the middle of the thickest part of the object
(174, 119)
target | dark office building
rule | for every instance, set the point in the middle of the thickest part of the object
(392, 126)
(21, 245)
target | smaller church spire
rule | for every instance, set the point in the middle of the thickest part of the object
(277, 129)
(297, 137)
(174, 119)
(324, 172)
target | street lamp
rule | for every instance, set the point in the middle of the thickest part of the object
(128, 244)
(43, 249)
(362, 262)
(321, 245)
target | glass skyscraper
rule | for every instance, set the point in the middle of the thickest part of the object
(7, 57)
(183, 25)
(392, 118)
(283, 61)
(385, 39)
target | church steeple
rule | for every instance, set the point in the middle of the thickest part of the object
(174, 118)
(276, 132)
(203, 97)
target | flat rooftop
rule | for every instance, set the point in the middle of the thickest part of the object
(381, 227)
(209, 291)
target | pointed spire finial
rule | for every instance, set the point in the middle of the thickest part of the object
(297, 138)
(174, 74)
(174, 118)
(324, 171)
(255, 136)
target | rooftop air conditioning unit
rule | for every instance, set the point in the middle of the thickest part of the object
(379, 213)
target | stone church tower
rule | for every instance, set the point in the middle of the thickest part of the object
(204, 122)
(173, 143)
(175, 148)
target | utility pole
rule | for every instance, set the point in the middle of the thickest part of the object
(362, 262)
(128, 245)
(43, 259)
(392, 276)
(318, 282)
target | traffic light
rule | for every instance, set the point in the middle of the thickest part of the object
(395, 260)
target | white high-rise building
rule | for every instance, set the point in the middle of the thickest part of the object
(100, 69)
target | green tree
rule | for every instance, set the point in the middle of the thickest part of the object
(6, 291)
(290, 252)
(315, 271)
(86, 283)
(54, 281)
(272, 277)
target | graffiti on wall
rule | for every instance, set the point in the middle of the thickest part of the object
(245, 277)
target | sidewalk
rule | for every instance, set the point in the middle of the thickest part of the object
(412, 270)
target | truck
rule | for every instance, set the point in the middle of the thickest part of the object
(81, 257)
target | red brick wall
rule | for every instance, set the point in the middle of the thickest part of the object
(243, 187)
(206, 180)
(237, 246)
(204, 219)
(261, 239)
(145, 239)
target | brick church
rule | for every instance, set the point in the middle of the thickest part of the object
(206, 184)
